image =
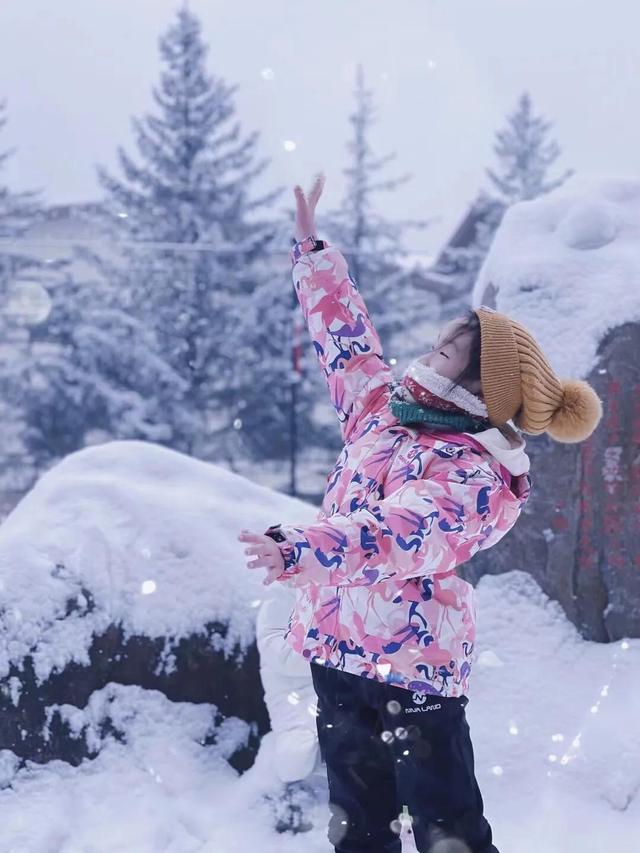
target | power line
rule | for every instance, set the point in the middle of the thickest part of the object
(22, 243)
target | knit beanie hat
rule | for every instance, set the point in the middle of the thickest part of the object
(518, 383)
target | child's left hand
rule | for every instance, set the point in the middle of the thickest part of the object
(267, 552)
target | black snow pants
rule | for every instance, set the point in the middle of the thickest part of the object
(384, 747)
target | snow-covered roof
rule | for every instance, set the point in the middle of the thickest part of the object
(567, 266)
(132, 533)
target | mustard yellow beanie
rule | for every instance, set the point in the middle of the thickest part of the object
(518, 384)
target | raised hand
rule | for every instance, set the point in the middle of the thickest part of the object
(306, 208)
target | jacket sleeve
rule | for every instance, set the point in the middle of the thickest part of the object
(345, 341)
(428, 525)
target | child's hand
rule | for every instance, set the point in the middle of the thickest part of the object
(267, 552)
(306, 208)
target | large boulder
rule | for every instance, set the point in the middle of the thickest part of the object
(567, 266)
(122, 566)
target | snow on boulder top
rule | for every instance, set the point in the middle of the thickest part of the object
(567, 266)
(133, 533)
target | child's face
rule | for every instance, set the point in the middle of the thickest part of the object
(450, 359)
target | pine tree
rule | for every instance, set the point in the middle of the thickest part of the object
(372, 244)
(190, 187)
(265, 346)
(92, 374)
(18, 270)
(17, 211)
(525, 155)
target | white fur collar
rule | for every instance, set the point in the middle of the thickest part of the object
(433, 381)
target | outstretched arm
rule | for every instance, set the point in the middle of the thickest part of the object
(344, 338)
(346, 343)
(429, 525)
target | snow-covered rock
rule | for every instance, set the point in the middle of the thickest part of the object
(122, 565)
(567, 265)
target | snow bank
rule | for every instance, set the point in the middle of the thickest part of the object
(555, 774)
(567, 266)
(160, 789)
(556, 717)
(132, 533)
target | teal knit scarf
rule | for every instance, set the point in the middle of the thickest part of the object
(412, 413)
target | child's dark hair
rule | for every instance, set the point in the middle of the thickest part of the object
(471, 372)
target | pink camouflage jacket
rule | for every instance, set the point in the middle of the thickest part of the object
(377, 590)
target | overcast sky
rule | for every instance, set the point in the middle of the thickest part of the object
(444, 74)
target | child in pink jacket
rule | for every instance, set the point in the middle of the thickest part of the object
(433, 470)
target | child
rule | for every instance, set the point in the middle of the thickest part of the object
(431, 472)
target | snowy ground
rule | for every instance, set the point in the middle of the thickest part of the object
(553, 720)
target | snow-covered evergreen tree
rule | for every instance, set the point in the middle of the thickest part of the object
(17, 270)
(371, 242)
(189, 192)
(17, 212)
(279, 409)
(525, 155)
(93, 374)
(272, 326)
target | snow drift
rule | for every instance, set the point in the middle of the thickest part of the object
(567, 266)
(553, 721)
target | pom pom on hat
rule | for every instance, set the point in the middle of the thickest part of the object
(579, 413)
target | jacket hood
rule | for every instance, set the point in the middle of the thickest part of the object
(508, 450)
